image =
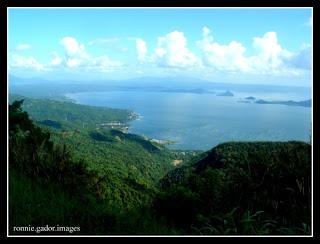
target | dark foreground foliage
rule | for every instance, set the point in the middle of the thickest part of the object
(255, 188)
(50, 185)
(242, 188)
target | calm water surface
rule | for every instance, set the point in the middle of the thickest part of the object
(201, 121)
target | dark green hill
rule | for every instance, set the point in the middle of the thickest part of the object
(66, 177)
(63, 172)
(81, 128)
(242, 188)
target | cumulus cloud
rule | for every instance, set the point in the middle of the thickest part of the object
(23, 46)
(18, 61)
(269, 57)
(172, 51)
(142, 50)
(222, 57)
(76, 56)
(270, 54)
(301, 59)
(57, 60)
(71, 45)
(103, 64)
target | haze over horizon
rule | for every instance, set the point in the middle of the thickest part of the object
(250, 46)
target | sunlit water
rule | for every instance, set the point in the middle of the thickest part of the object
(201, 121)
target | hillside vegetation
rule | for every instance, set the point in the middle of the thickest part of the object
(109, 182)
(242, 188)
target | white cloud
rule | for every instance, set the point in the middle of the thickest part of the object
(23, 46)
(172, 51)
(104, 64)
(269, 57)
(222, 57)
(74, 62)
(142, 50)
(57, 60)
(270, 54)
(18, 61)
(72, 46)
(206, 33)
(76, 56)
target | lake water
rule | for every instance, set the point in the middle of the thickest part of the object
(201, 121)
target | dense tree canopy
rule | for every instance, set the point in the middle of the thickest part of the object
(110, 182)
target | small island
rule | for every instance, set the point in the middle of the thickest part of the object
(225, 94)
(305, 103)
(250, 99)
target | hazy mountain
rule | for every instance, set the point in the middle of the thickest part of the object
(42, 87)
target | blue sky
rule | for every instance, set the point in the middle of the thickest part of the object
(269, 45)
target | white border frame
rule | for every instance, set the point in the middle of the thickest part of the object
(264, 236)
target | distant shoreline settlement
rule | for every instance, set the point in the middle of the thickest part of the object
(124, 128)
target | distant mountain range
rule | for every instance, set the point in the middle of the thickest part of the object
(38, 87)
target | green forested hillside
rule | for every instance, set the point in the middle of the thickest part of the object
(127, 161)
(70, 114)
(242, 188)
(75, 179)
(110, 182)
